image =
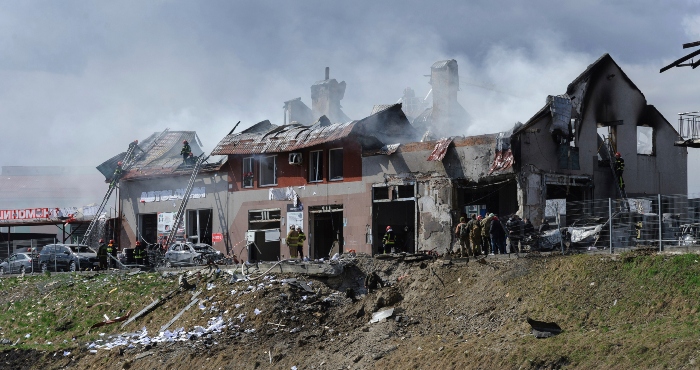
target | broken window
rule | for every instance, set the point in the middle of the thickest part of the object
(403, 191)
(568, 157)
(248, 172)
(316, 166)
(645, 140)
(380, 193)
(335, 162)
(268, 171)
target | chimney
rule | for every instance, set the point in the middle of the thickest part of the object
(325, 99)
(444, 79)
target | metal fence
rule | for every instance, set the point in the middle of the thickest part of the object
(662, 222)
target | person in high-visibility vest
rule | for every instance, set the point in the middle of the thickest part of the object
(139, 254)
(389, 240)
(292, 240)
(300, 243)
(112, 250)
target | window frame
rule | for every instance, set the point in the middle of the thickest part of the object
(319, 161)
(330, 166)
(652, 138)
(251, 160)
(274, 170)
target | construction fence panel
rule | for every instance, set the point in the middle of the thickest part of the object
(662, 222)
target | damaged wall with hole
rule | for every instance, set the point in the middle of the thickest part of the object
(573, 162)
(459, 168)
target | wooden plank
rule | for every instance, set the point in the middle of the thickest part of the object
(148, 308)
(194, 300)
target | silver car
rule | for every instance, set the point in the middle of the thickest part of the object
(17, 264)
(189, 254)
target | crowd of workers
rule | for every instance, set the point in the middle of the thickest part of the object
(488, 234)
(483, 235)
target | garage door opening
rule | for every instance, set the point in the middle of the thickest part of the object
(148, 228)
(326, 223)
(265, 223)
(199, 226)
(394, 206)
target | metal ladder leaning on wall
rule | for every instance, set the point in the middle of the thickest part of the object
(127, 162)
(186, 197)
(620, 192)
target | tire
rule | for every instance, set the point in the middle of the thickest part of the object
(71, 267)
(22, 269)
(198, 261)
(44, 267)
(2, 270)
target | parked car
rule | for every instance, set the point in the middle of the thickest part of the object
(68, 257)
(17, 264)
(189, 254)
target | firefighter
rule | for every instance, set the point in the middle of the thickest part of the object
(389, 240)
(292, 240)
(186, 150)
(111, 250)
(300, 243)
(102, 255)
(139, 254)
(619, 169)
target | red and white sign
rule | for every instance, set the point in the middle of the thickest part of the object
(215, 238)
(25, 214)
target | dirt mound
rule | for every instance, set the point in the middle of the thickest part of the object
(615, 312)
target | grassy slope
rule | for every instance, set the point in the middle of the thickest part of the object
(632, 312)
(617, 312)
(54, 310)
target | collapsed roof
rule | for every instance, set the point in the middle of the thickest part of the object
(158, 154)
(384, 126)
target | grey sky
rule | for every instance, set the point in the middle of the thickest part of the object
(79, 80)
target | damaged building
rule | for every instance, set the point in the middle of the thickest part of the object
(344, 181)
(152, 189)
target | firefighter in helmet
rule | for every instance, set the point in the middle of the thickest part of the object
(111, 250)
(139, 254)
(186, 150)
(102, 254)
(389, 240)
(619, 169)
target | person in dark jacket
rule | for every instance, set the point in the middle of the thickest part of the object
(186, 151)
(102, 254)
(619, 169)
(514, 226)
(498, 236)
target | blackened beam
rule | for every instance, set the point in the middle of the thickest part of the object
(691, 44)
(679, 61)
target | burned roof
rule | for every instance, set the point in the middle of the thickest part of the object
(386, 126)
(159, 154)
(282, 138)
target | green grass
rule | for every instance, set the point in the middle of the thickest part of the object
(53, 309)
